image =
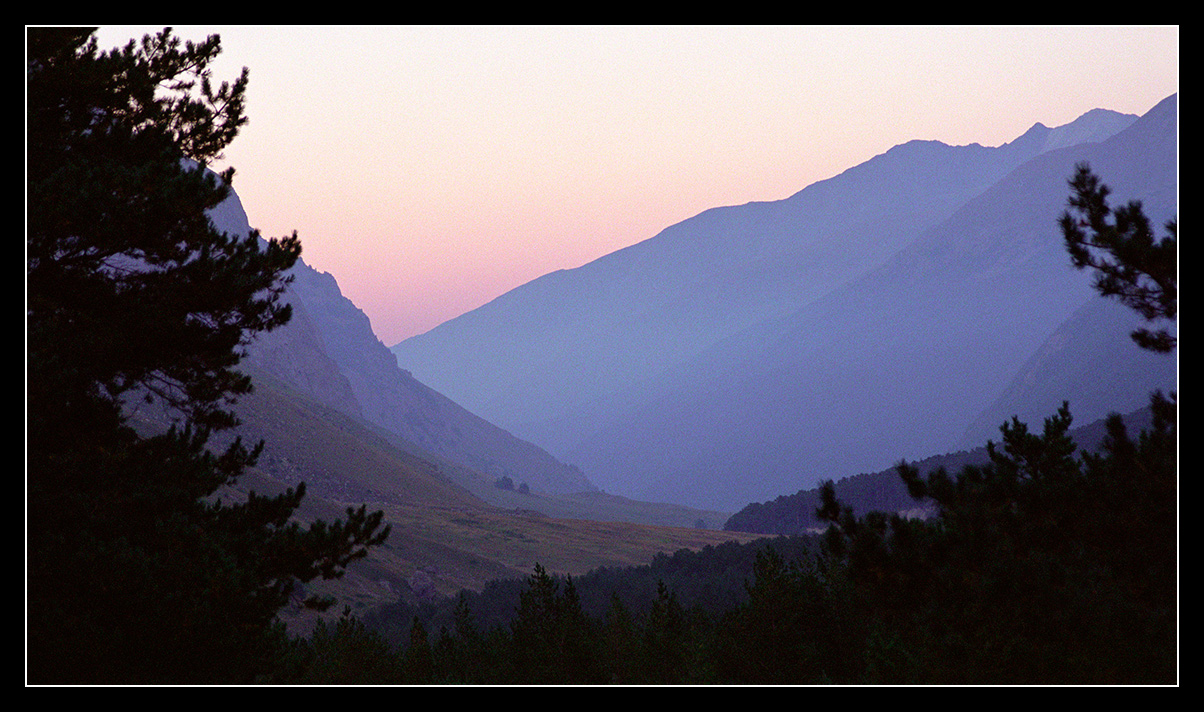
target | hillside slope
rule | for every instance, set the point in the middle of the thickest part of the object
(552, 358)
(755, 349)
(894, 364)
(444, 538)
(329, 353)
(336, 413)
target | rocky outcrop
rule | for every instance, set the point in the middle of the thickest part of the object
(329, 353)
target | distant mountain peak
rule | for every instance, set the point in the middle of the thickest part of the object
(1092, 127)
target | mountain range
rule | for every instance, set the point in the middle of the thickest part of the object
(902, 308)
(337, 413)
(329, 353)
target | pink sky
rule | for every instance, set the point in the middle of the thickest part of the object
(431, 169)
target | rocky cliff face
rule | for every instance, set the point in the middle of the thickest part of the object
(391, 398)
(295, 354)
(329, 353)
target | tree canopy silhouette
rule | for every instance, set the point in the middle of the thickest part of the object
(145, 564)
(1130, 263)
(1045, 565)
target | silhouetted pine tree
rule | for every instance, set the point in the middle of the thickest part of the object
(144, 564)
(1129, 262)
(1043, 566)
(553, 641)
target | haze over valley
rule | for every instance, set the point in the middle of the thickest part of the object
(901, 309)
(896, 310)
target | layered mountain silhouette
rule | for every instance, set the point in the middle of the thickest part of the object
(329, 354)
(893, 311)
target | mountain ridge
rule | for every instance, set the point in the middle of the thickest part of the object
(602, 416)
(544, 345)
(329, 352)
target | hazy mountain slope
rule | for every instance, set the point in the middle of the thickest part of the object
(443, 537)
(329, 353)
(894, 364)
(1089, 361)
(338, 456)
(391, 398)
(336, 413)
(328, 362)
(551, 357)
(295, 354)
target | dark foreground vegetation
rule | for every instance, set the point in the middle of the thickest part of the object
(144, 563)
(1043, 564)
(1041, 568)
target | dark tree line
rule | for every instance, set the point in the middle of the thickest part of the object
(1042, 567)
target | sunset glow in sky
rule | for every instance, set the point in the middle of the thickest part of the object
(431, 169)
